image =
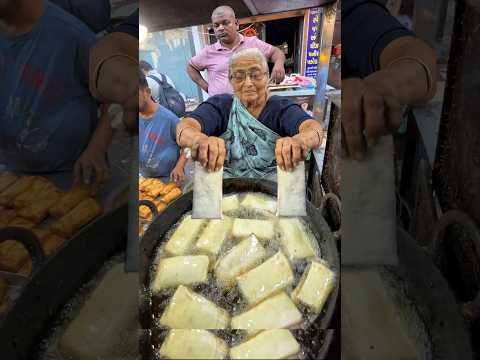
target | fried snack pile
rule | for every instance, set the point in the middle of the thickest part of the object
(37, 204)
(158, 193)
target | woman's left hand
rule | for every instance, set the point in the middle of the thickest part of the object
(289, 151)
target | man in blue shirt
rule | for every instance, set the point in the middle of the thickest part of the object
(160, 156)
(48, 119)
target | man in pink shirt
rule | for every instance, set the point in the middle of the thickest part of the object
(214, 58)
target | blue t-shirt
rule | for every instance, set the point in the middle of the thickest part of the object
(94, 13)
(47, 115)
(158, 149)
(367, 29)
(280, 115)
(130, 25)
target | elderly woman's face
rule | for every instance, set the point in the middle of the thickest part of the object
(249, 80)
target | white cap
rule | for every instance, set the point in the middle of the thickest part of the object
(154, 87)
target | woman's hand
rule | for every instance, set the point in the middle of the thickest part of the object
(289, 151)
(370, 109)
(209, 151)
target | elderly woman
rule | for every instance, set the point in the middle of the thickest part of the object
(250, 132)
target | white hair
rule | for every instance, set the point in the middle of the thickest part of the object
(250, 52)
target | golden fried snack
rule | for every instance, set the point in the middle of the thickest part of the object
(144, 212)
(51, 244)
(6, 216)
(160, 205)
(29, 196)
(3, 289)
(7, 179)
(141, 179)
(156, 191)
(70, 200)
(41, 233)
(21, 222)
(145, 196)
(23, 183)
(147, 182)
(5, 306)
(12, 255)
(81, 215)
(26, 269)
(155, 187)
(172, 195)
(169, 187)
(38, 209)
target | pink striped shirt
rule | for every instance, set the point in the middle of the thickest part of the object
(214, 58)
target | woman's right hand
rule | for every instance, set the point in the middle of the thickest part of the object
(371, 109)
(209, 151)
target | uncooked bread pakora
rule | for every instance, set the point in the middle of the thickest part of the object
(70, 200)
(81, 215)
(38, 210)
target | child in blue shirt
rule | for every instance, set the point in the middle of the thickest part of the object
(159, 154)
(48, 118)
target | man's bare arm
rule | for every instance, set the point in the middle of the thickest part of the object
(278, 57)
(197, 77)
(278, 70)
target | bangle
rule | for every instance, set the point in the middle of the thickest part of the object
(95, 70)
(320, 135)
(424, 66)
(181, 132)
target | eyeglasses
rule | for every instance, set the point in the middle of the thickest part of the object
(241, 76)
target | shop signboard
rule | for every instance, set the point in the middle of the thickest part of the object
(313, 43)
